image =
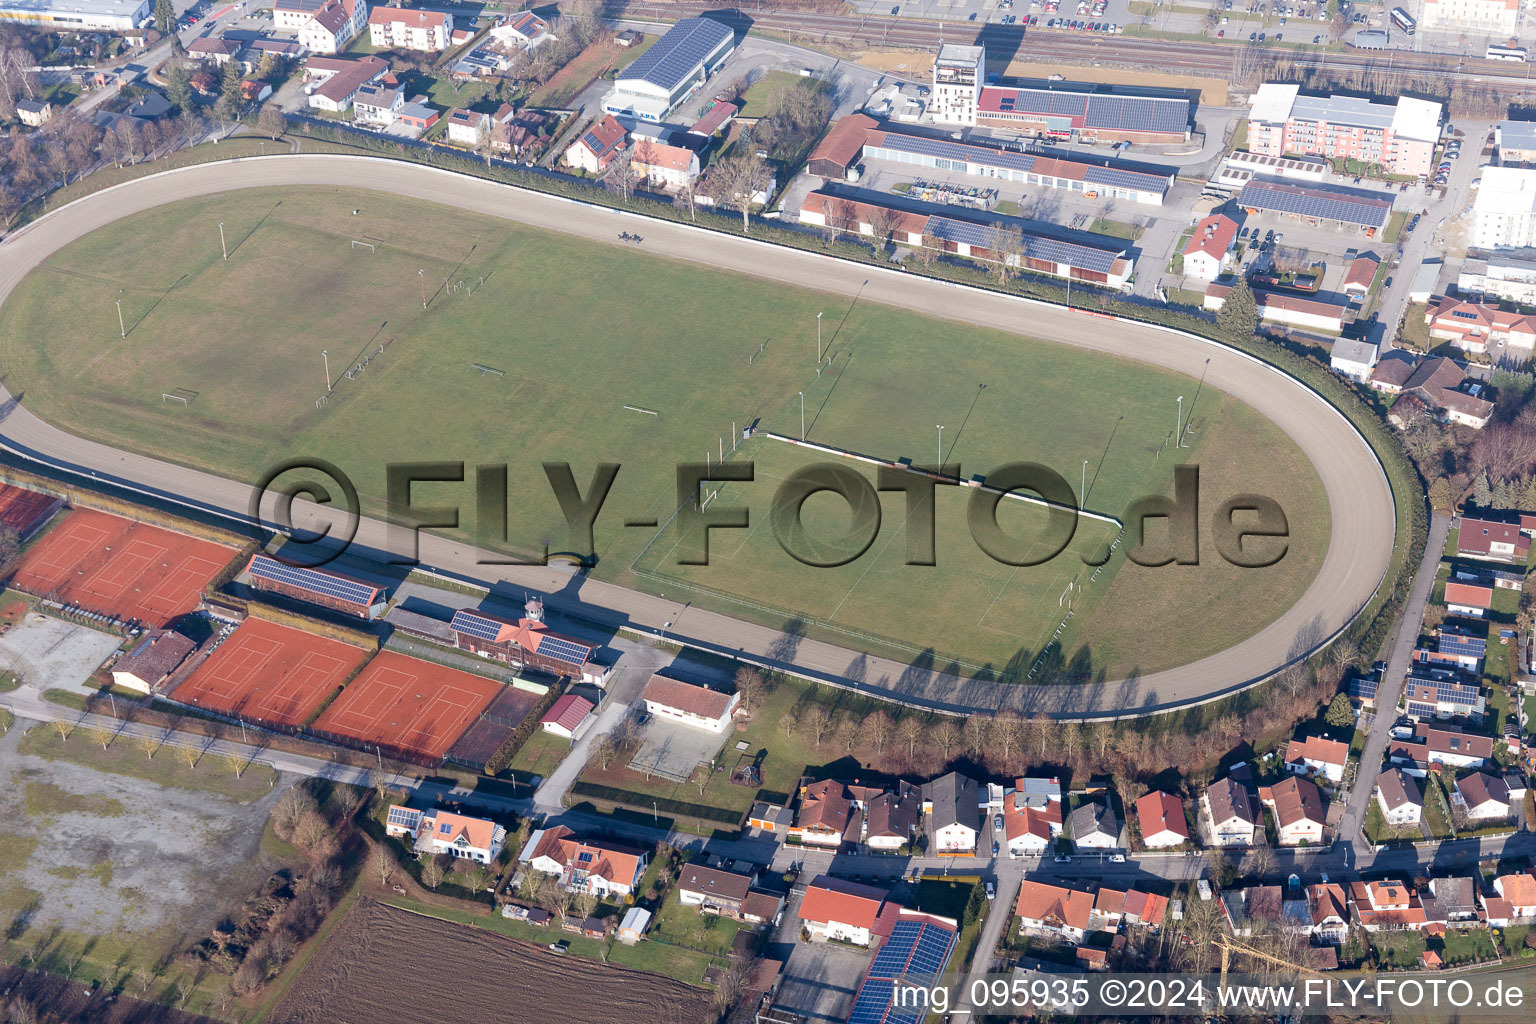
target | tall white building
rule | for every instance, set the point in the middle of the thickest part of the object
(77, 15)
(1505, 210)
(1495, 16)
(958, 73)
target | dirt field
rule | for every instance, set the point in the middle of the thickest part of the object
(56, 996)
(271, 674)
(387, 964)
(119, 567)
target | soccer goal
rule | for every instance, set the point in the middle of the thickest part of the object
(359, 244)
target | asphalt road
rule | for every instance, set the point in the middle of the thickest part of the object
(1360, 500)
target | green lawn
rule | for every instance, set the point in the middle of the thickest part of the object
(1437, 810)
(541, 753)
(166, 768)
(1115, 229)
(764, 95)
(245, 336)
(1398, 949)
(684, 926)
(1465, 947)
(1378, 831)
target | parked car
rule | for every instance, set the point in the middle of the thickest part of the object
(561, 947)
(997, 822)
(991, 891)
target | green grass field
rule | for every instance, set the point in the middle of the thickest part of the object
(581, 331)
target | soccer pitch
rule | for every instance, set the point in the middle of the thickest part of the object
(535, 347)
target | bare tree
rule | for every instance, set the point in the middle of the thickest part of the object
(879, 726)
(750, 683)
(101, 734)
(883, 222)
(947, 735)
(909, 730)
(149, 743)
(272, 122)
(383, 864)
(65, 728)
(604, 751)
(1007, 731)
(431, 872)
(816, 722)
(788, 723)
(737, 179)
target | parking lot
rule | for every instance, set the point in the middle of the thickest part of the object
(51, 653)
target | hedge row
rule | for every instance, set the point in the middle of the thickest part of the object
(513, 743)
(642, 802)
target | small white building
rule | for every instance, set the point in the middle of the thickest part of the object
(467, 127)
(569, 717)
(333, 26)
(663, 166)
(150, 662)
(1399, 798)
(1209, 252)
(378, 105)
(1354, 358)
(958, 73)
(696, 706)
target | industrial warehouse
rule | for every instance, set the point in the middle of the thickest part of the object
(670, 70)
(1356, 207)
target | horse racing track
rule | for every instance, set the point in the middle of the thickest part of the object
(270, 675)
(386, 964)
(118, 567)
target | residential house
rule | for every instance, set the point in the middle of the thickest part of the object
(770, 818)
(397, 28)
(151, 661)
(438, 831)
(1519, 892)
(1354, 358)
(1457, 644)
(695, 706)
(1144, 908)
(761, 907)
(1230, 814)
(1442, 385)
(1209, 252)
(1393, 371)
(524, 30)
(1451, 746)
(1032, 816)
(1451, 901)
(598, 145)
(465, 127)
(1094, 826)
(711, 890)
(1284, 308)
(1399, 798)
(254, 90)
(1160, 816)
(1387, 906)
(892, 818)
(1298, 808)
(333, 82)
(214, 49)
(955, 809)
(1251, 909)
(418, 115)
(1491, 539)
(1468, 598)
(34, 113)
(1329, 907)
(831, 813)
(568, 717)
(378, 104)
(1482, 797)
(845, 911)
(332, 27)
(1483, 329)
(602, 868)
(1054, 910)
(1317, 755)
(1434, 692)
(664, 166)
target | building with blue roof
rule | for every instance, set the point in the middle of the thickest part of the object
(674, 67)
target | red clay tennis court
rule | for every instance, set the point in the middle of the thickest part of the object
(120, 567)
(412, 709)
(23, 510)
(269, 674)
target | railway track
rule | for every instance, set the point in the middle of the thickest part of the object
(1209, 59)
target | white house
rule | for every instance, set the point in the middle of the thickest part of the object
(1399, 798)
(1298, 808)
(1354, 358)
(332, 27)
(845, 911)
(1094, 826)
(1318, 756)
(438, 831)
(697, 706)
(523, 30)
(1482, 797)
(1032, 816)
(378, 104)
(569, 717)
(1054, 910)
(467, 127)
(1229, 813)
(954, 804)
(663, 166)
(1160, 816)
(601, 868)
(396, 28)
(333, 82)
(1209, 252)
(1519, 892)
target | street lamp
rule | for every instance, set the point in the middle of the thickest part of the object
(1082, 490)
(1178, 424)
(222, 246)
(121, 329)
(325, 354)
(422, 274)
(818, 341)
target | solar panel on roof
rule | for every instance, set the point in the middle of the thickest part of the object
(1316, 202)
(945, 150)
(678, 54)
(312, 580)
(564, 650)
(1463, 646)
(466, 621)
(1119, 178)
(872, 1001)
(1036, 247)
(1365, 688)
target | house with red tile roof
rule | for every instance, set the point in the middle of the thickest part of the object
(437, 831)
(152, 660)
(1328, 906)
(1474, 599)
(1209, 252)
(1481, 328)
(333, 82)
(1491, 539)
(1032, 816)
(568, 717)
(1317, 755)
(396, 28)
(1441, 384)
(333, 25)
(831, 813)
(847, 911)
(1298, 808)
(1387, 906)
(1519, 892)
(696, 706)
(597, 866)
(1054, 910)
(597, 147)
(664, 166)
(1160, 816)
(1362, 271)
(1145, 908)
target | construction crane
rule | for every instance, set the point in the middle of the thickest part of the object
(1228, 947)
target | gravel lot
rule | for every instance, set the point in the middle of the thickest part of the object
(53, 653)
(112, 854)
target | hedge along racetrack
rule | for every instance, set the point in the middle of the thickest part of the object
(1360, 503)
(361, 974)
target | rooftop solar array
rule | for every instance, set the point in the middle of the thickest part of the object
(914, 955)
(562, 649)
(678, 54)
(1363, 689)
(1463, 646)
(1119, 178)
(1103, 111)
(312, 580)
(476, 625)
(946, 150)
(1445, 691)
(1036, 247)
(1347, 206)
(403, 816)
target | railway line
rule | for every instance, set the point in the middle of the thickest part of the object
(1205, 58)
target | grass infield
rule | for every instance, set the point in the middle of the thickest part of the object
(607, 354)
